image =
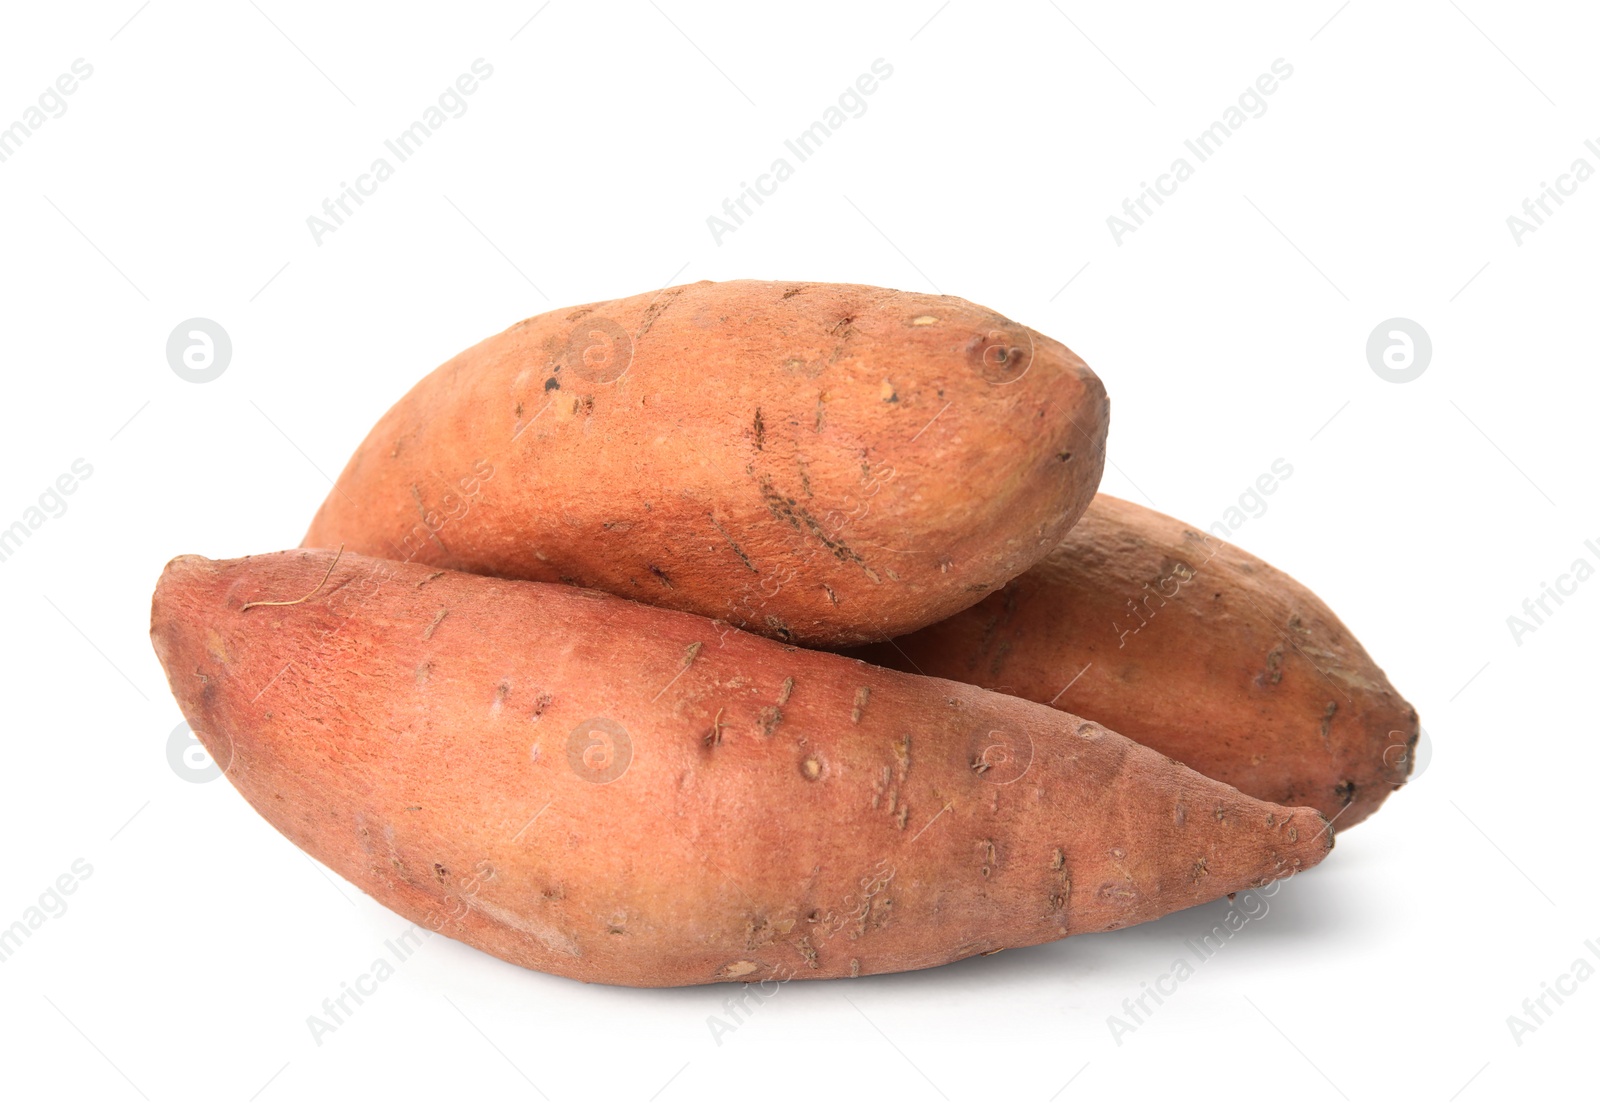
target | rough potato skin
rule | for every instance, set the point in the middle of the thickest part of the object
(1190, 646)
(820, 463)
(617, 793)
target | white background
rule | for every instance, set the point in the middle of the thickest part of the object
(1230, 330)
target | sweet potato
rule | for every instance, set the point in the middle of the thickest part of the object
(820, 463)
(1190, 646)
(618, 793)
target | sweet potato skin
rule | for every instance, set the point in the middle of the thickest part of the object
(617, 793)
(819, 463)
(1191, 646)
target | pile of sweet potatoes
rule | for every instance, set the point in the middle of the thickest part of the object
(547, 674)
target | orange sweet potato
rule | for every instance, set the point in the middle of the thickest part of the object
(619, 793)
(1190, 646)
(819, 463)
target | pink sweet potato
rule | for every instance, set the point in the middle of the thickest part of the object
(619, 793)
(1189, 645)
(820, 463)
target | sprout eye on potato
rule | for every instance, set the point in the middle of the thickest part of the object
(820, 463)
(596, 788)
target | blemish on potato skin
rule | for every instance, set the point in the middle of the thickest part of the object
(1327, 723)
(989, 863)
(783, 693)
(1273, 674)
(810, 768)
(217, 648)
(1058, 898)
(541, 703)
(756, 931)
(427, 633)
(737, 550)
(862, 696)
